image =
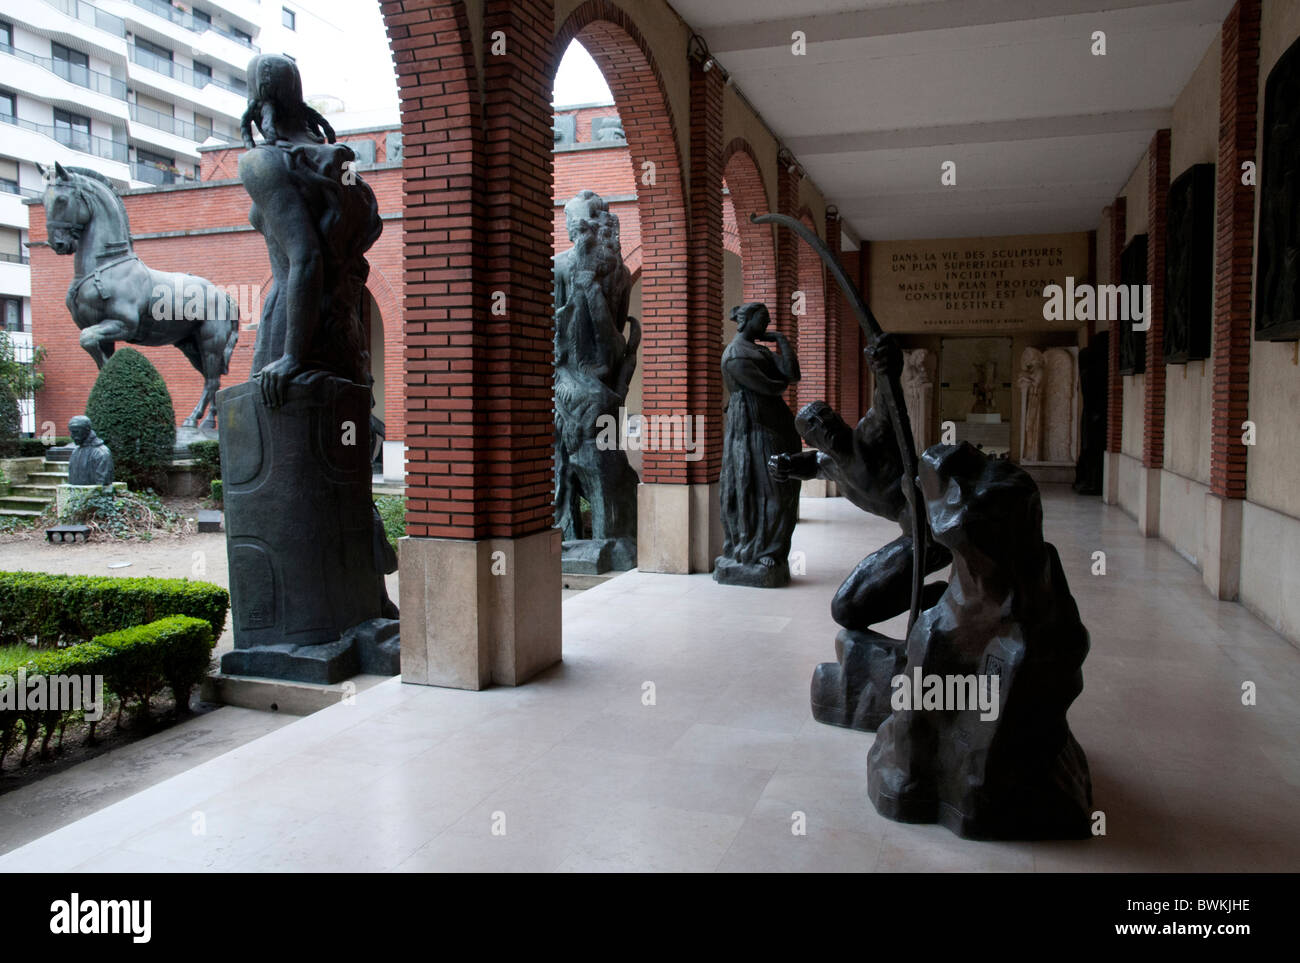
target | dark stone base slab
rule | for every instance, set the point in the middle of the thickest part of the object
(854, 692)
(372, 647)
(727, 571)
(595, 556)
(209, 520)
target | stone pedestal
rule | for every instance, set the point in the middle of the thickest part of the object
(1110, 477)
(818, 488)
(64, 494)
(476, 613)
(305, 558)
(679, 528)
(1221, 553)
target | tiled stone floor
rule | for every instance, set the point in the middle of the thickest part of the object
(590, 778)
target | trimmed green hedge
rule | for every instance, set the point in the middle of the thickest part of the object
(134, 663)
(64, 609)
(131, 410)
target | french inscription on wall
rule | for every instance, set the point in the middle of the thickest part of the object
(977, 285)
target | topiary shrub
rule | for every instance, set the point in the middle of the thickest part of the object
(10, 422)
(217, 492)
(131, 410)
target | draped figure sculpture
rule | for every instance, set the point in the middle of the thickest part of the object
(596, 342)
(306, 563)
(758, 511)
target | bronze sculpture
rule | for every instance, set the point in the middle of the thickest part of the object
(91, 463)
(595, 357)
(759, 510)
(115, 296)
(306, 563)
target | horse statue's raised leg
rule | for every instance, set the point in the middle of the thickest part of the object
(99, 340)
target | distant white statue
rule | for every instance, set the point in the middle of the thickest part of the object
(1050, 406)
(918, 393)
(1061, 406)
(1031, 404)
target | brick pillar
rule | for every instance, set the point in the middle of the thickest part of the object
(1153, 419)
(832, 308)
(1153, 398)
(480, 583)
(850, 350)
(787, 260)
(704, 314)
(1116, 217)
(1233, 258)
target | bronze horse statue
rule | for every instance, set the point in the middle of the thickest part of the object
(117, 297)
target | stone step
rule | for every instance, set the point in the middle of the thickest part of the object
(23, 501)
(49, 477)
(18, 513)
(48, 492)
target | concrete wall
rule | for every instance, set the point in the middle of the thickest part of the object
(1194, 139)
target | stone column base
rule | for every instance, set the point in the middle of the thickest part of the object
(1110, 477)
(818, 488)
(1221, 551)
(479, 612)
(679, 528)
(1148, 505)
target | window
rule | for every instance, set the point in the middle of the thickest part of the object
(9, 175)
(155, 168)
(72, 130)
(12, 309)
(202, 70)
(246, 38)
(202, 16)
(154, 50)
(6, 34)
(288, 18)
(7, 103)
(71, 64)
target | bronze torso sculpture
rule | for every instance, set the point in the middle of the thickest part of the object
(91, 462)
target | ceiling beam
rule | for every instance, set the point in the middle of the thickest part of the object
(988, 132)
(917, 18)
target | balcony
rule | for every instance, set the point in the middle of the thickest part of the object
(158, 175)
(191, 22)
(14, 258)
(170, 125)
(185, 75)
(90, 15)
(94, 80)
(76, 140)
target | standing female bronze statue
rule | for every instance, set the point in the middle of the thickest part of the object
(758, 511)
(307, 564)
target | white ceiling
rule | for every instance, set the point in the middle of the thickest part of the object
(1043, 133)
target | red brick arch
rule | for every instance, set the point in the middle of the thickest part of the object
(748, 196)
(629, 67)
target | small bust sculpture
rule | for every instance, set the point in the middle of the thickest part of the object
(91, 463)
